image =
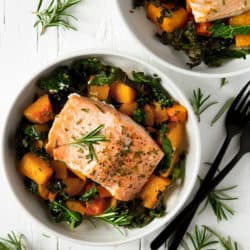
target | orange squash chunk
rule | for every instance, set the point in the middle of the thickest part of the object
(40, 111)
(101, 92)
(74, 186)
(35, 168)
(122, 93)
(128, 108)
(75, 206)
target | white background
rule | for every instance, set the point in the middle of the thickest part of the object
(22, 51)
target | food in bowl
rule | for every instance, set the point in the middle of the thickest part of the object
(207, 31)
(98, 144)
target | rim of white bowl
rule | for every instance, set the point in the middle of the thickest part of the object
(100, 53)
(171, 66)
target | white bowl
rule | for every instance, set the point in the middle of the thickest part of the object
(103, 234)
(144, 30)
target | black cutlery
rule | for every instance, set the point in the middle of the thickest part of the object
(236, 118)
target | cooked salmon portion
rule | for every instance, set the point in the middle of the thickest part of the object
(122, 163)
(210, 10)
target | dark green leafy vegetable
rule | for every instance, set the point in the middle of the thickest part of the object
(220, 29)
(56, 185)
(31, 185)
(60, 212)
(139, 115)
(166, 146)
(151, 85)
(108, 77)
(89, 195)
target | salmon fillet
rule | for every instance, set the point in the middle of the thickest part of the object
(122, 164)
(210, 10)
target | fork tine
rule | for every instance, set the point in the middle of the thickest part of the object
(238, 98)
(242, 103)
(246, 108)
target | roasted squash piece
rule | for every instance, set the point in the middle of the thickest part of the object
(40, 111)
(101, 92)
(177, 113)
(149, 115)
(242, 41)
(128, 108)
(35, 168)
(243, 19)
(103, 192)
(202, 29)
(60, 169)
(176, 136)
(151, 189)
(122, 93)
(160, 114)
(168, 24)
(43, 191)
(74, 186)
(52, 196)
(75, 206)
(79, 174)
(113, 202)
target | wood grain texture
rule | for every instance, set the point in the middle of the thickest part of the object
(22, 51)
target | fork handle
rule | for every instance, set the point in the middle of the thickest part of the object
(200, 197)
(174, 225)
(176, 237)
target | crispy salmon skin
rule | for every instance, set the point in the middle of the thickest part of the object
(210, 10)
(123, 162)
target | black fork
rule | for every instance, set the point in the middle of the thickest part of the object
(237, 117)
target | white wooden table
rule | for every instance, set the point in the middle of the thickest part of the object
(22, 51)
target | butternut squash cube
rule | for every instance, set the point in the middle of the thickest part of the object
(40, 111)
(75, 206)
(101, 92)
(43, 191)
(74, 186)
(242, 41)
(169, 24)
(52, 196)
(160, 114)
(113, 202)
(176, 136)
(151, 189)
(60, 169)
(177, 113)
(149, 115)
(35, 168)
(128, 108)
(242, 19)
(79, 174)
(122, 93)
(103, 192)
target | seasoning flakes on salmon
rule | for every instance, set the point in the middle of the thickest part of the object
(210, 10)
(122, 160)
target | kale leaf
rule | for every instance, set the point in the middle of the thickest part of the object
(220, 29)
(139, 115)
(31, 185)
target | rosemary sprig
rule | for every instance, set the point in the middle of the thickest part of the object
(200, 239)
(115, 217)
(55, 14)
(222, 110)
(204, 237)
(89, 139)
(226, 243)
(89, 194)
(217, 200)
(12, 240)
(200, 103)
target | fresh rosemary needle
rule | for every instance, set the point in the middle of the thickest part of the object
(12, 240)
(200, 103)
(89, 139)
(55, 14)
